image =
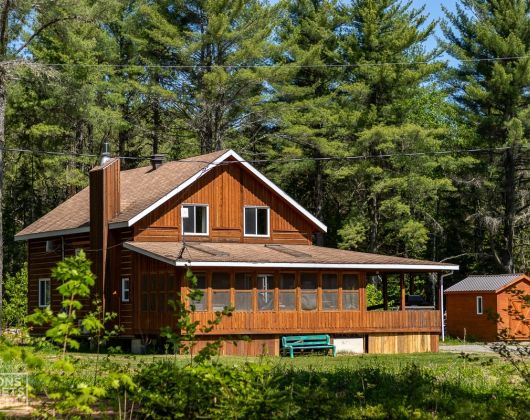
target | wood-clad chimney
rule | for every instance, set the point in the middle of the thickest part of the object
(104, 206)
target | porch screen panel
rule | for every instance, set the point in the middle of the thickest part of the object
(265, 292)
(162, 292)
(171, 289)
(308, 284)
(287, 292)
(220, 291)
(202, 303)
(350, 292)
(153, 279)
(330, 292)
(243, 295)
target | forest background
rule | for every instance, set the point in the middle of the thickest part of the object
(398, 145)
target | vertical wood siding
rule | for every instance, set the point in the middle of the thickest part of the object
(226, 190)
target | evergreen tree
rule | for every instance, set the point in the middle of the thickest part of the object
(388, 84)
(491, 40)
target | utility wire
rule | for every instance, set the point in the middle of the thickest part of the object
(288, 159)
(251, 66)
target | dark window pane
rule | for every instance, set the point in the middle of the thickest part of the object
(265, 301)
(308, 281)
(220, 300)
(145, 282)
(265, 281)
(200, 219)
(330, 300)
(287, 300)
(263, 221)
(329, 282)
(350, 300)
(144, 301)
(309, 301)
(188, 222)
(350, 282)
(221, 281)
(171, 282)
(162, 301)
(250, 221)
(243, 301)
(152, 302)
(287, 281)
(243, 281)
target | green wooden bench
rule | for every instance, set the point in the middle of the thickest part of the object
(309, 342)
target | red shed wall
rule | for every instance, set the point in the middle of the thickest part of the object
(462, 314)
(506, 302)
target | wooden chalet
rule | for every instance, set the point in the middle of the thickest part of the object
(248, 242)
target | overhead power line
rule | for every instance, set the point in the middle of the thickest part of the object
(251, 66)
(288, 159)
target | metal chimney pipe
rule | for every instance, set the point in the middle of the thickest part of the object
(105, 153)
(157, 160)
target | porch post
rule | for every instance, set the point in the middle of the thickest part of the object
(402, 291)
(385, 292)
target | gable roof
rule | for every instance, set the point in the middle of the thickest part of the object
(233, 254)
(484, 283)
(142, 191)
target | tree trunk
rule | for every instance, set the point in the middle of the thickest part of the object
(3, 100)
(509, 211)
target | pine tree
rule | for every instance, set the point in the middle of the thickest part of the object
(387, 86)
(491, 41)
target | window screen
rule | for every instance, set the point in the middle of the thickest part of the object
(308, 285)
(287, 292)
(243, 295)
(202, 303)
(330, 292)
(44, 292)
(265, 292)
(220, 291)
(350, 292)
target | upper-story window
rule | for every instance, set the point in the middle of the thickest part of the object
(257, 221)
(195, 219)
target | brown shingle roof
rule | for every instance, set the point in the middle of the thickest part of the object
(248, 255)
(140, 188)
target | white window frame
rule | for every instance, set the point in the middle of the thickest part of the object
(480, 306)
(123, 289)
(49, 288)
(251, 235)
(207, 218)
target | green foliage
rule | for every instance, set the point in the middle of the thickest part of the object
(184, 336)
(374, 296)
(15, 299)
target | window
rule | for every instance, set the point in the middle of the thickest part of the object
(44, 292)
(125, 289)
(195, 219)
(350, 292)
(78, 251)
(256, 221)
(479, 305)
(220, 291)
(265, 292)
(243, 292)
(308, 284)
(330, 292)
(287, 292)
(202, 303)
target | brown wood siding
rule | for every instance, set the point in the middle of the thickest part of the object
(121, 265)
(462, 315)
(104, 205)
(402, 343)
(41, 263)
(226, 190)
(152, 314)
(256, 346)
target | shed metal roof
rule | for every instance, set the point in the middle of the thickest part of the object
(483, 283)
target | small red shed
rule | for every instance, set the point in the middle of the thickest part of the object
(472, 306)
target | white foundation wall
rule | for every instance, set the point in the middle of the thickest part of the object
(349, 345)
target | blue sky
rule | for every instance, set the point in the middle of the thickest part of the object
(434, 9)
